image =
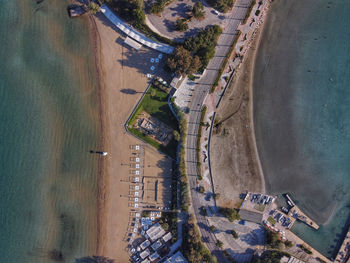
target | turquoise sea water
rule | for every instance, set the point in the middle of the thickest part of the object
(48, 124)
(302, 112)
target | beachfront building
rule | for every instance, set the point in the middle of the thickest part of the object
(155, 232)
(176, 258)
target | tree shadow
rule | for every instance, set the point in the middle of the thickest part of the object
(253, 238)
(94, 259)
(129, 91)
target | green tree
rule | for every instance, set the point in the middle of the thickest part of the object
(181, 25)
(181, 62)
(288, 244)
(273, 239)
(198, 10)
(219, 244)
(212, 228)
(94, 8)
(176, 135)
(201, 189)
(230, 213)
(234, 234)
(221, 5)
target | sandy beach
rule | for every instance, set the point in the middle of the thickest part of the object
(123, 80)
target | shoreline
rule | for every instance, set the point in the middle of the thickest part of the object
(101, 178)
(245, 164)
(255, 48)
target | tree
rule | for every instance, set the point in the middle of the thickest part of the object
(181, 25)
(153, 93)
(198, 10)
(221, 5)
(94, 8)
(219, 244)
(212, 228)
(288, 243)
(201, 189)
(181, 62)
(176, 135)
(273, 239)
(230, 213)
(234, 234)
(165, 226)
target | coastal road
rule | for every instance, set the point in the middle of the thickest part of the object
(201, 90)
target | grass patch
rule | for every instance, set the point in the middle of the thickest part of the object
(271, 220)
(155, 103)
(198, 148)
(260, 207)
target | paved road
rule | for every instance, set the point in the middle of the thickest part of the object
(201, 90)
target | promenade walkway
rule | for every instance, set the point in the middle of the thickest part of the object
(133, 33)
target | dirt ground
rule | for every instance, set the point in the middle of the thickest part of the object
(235, 165)
(123, 74)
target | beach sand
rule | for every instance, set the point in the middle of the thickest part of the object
(123, 79)
(235, 163)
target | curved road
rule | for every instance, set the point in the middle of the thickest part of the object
(201, 90)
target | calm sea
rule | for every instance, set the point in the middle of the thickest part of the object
(302, 112)
(48, 124)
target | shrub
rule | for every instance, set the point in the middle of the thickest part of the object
(94, 8)
(219, 244)
(306, 249)
(192, 247)
(234, 234)
(181, 25)
(198, 10)
(273, 239)
(221, 5)
(288, 243)
(230, 213)
(203, 210)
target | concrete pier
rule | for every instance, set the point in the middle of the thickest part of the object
(344, 251)
(296, 213)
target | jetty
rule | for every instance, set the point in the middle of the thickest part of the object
(344, 251)
(296, 213)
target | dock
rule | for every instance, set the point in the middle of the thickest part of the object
(344, 251)
(296, 213)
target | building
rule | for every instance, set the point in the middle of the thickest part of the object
(155, 232)
(176, 258)
(145, 244)
(167, 237)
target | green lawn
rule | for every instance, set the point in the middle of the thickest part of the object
(271, 220)
(155, 103)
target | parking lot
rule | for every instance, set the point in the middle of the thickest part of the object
(165, 22)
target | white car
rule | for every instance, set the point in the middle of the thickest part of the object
(216, 12)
